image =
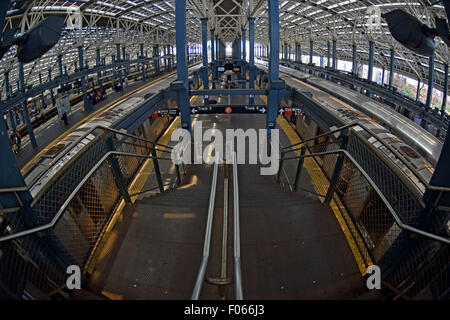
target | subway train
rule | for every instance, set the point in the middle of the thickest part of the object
(43, 169)
(377, 238)
(346, 114)
(420, 139)
(75, 98)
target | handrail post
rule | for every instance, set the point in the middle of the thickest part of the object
(299, 168)
(337, 171)
(117, 172)
(280, 167)
(177, 169)
(157, 170)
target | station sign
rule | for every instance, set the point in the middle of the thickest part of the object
(214, 109)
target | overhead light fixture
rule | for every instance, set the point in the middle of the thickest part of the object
(36, 41)
(413, 34)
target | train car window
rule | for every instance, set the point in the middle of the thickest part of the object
(409, 152)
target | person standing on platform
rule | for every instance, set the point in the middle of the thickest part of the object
(64, 115)
(18, 140)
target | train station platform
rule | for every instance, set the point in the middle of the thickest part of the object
(49, 133)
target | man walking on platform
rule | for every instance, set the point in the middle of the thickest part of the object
(64, 115)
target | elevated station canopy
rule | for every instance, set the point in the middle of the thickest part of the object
(100, 24)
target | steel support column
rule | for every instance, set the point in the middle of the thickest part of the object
(334, 55)
(328, 55)
(42, 94)
(274, 83)
(217, 47)
(244, 46)
(182, 70)
(418, 91)
(83, 84)
(51, 90)
(445, 91)
(204, 68)
(97, 62)
(156, 61)
(26, 114)
(143, 63)
(370, 70)
(424, 123)
(391, 70)
(60, 66)
(311, 51)
(251, 49)
(354, 66)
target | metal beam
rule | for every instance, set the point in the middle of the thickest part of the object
(424, 123)
(445, 91)
(204, 69)
(391, 70)
(182, 85)
(25, 112)
(251, 38)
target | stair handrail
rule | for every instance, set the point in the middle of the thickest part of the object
(72, 195)
(389, 147)
(391, 210)
(71, 146)
(237, 235)
(207, 242)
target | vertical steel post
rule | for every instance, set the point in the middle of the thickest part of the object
(328, 55)
(423, 122)
(204, 68)
(370, 71)
(143, 63)
(51, 90)
(26, 114)
(354, 66)
(156, 61)
(334, 55)
(251, 49)
(274, 63)
(118, 175)
(391, 70)
(60, 66)
(337, 171)
(244, 48)
(311, 51)
(83, 84)
(445, 91)
(42, 94)
(97, 63)
(182, 71)
(213, 58)
(418, 90)
(299, 168)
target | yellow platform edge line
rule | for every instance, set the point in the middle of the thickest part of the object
(293, 138)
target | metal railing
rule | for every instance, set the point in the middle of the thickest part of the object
(104, 140)
(207, 243)
(223, 280)
(237, 235)
(35, 258)
(387, 222)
